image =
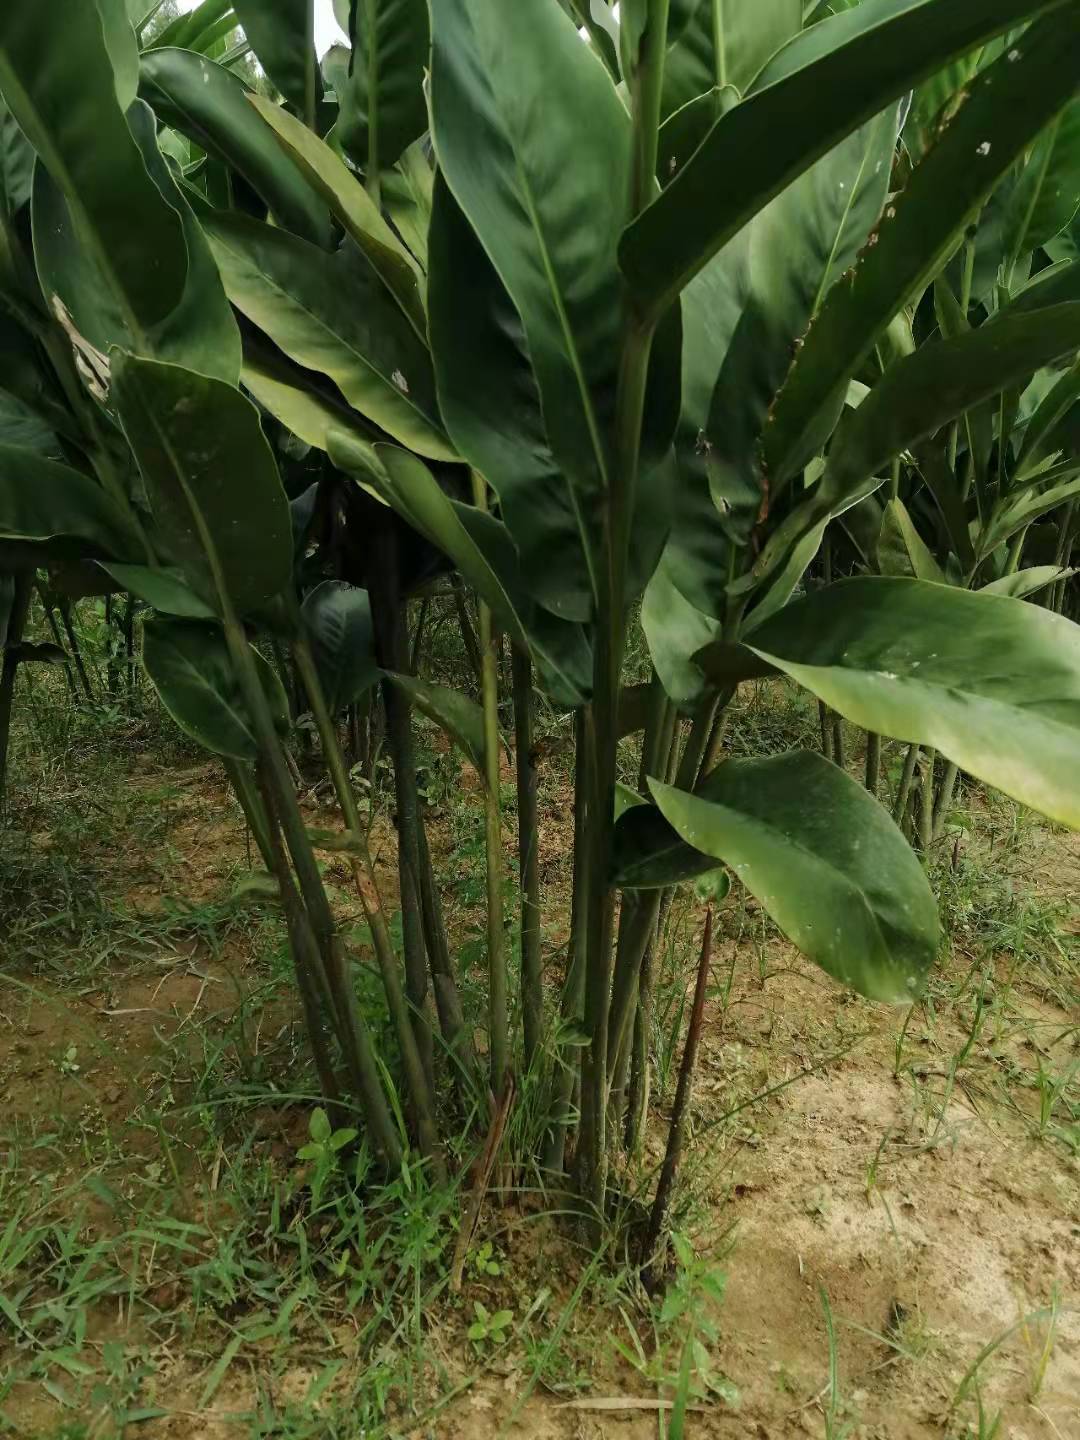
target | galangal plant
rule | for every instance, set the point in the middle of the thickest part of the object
(606, 310)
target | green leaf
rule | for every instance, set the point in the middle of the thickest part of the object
(16, 166)
(1007, 107)
(42, 501)
(482, 550)
(381, 95)
(799, 245)
(675, 631)
(122, 47)
(57, 81)
(919, 394)
(189, 666)
(1016, 515)
(209, 104)
(337, 618)
(647, 854)
(406, 198)
(1022, 583)
(211, 479)
(725, 42)
(820, 87)
(535, 145)
(460, 717)
(319, 1126)
(1046, 195)
(347, 199)
(901, 550)
(1039, 431)
(330, 313)
(199, 333)
(163, 589)
(824, 859)
(279, 35)
(991, 683)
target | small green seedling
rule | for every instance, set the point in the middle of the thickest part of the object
(323, 1150)
(488, 1328)
(483, 1261)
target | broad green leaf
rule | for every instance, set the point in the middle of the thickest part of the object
(337, 618)
(209, 104)
(406, 198)
(1022, 583)
(122, 47)
(187, 30)
(331, 313)
(798, 245)
(820, 87)
(1046, 195)
(294, 397)
(675, 630)
(211, 479)
(331, 179)
(991, 683)
(382, 106)
(61, 92)
(489, 399)
(279, 34)
(725, 42)
(824, 859)
(16, 166)
(919, 394)
(161, 588)
(1016, 515)
(199, 333)
(901, 550)
(481, 549)
(190, 668)
(460, 717)
(1056, 403)
(647, 854)
(41, 501)
(1007, 107)
(535, 146)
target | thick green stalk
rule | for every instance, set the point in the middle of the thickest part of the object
(498, 1014)
(455, 1032)
(944, 799)
(421, 1091)
(391, 642)
(20, 610)
(926, 800)
(532, 994)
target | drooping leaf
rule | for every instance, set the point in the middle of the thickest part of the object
(211, 479)
(189, 666)
(725, 42)
(820, 87)
(482, 550)
(209, 104)
(278, 31)
(381, 96)
(43, 501)
(460, 717)
(331, 179)
(161, 588)
(647, 854)
(406, 198)
(991, 683)
(824, 859)
(1017, 514)
(199, 333)
(123, 49)
(62, 93)
(1008, 105)
(330, 313)
(337, 618)
(534, 143)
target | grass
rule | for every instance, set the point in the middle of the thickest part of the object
(175, 1253)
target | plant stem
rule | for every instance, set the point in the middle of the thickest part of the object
(944, 799)
(16, 626)
(251, 803)
(392, 646)
(682, 1100)
(926, 801)
(54, 628)
(76, 651)
(421, 1090)
(468, 634)
(532, 994)
(906, 777)
(498, 1021)
(873, 761)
